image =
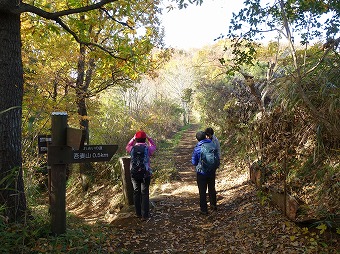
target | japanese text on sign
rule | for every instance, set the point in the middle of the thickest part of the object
(79, 156)
(44, 139)
(93, 148)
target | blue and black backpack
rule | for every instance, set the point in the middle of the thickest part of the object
(139, 161)
(209, 159)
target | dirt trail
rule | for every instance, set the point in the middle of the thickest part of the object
(240, 225)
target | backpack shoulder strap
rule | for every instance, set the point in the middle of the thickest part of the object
(138, 146)
(141, 147)
(203, 147)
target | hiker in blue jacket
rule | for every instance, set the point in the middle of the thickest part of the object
(205, 179)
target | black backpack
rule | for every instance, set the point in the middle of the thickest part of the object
(139, 160)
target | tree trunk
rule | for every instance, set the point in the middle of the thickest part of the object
(12, 195)
(82, 85)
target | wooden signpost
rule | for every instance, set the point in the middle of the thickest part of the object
(43, 142)
(126, 179)
(63, 148)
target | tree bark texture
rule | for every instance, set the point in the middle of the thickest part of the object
(82, 84)
(12, 195)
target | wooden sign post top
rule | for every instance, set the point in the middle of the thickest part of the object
(73, 137)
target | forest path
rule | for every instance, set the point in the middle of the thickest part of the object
(240, 225)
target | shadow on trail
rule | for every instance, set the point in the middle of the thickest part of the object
(176, 226)
(240, 224)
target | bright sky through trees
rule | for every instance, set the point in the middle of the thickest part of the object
(197, 26)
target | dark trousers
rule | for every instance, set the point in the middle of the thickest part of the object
(141, 196)
(204, 182)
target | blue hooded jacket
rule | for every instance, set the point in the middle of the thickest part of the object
(195, 158)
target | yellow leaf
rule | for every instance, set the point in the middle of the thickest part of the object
(322, 228)
(305, 230)
(130, 23)
(296, 244)
(292, 237)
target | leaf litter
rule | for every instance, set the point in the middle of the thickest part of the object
(241, 224)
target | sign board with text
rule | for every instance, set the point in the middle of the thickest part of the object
(90, 153)
(43, 142)
(66, 147)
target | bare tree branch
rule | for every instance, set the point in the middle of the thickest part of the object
(53, 16)
(120, 22)
(330, 47)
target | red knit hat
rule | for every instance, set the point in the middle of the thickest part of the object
(140, 134)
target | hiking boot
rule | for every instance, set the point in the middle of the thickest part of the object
(145, 218)
(203, 212)
(213, 207)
